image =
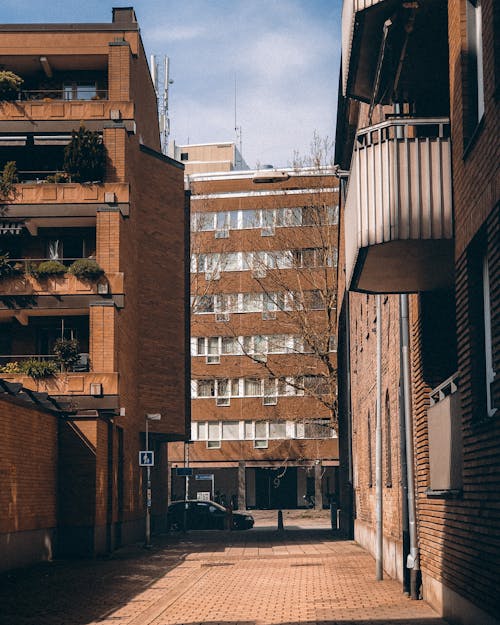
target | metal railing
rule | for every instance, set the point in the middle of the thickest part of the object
(81, 95)
(29, 264)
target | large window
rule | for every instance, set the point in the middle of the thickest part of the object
(475, 76)
(488, 342)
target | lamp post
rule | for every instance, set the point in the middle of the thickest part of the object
(149, 417)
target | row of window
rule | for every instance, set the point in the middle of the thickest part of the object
(212, 264)
(212, 347)
(267, 219)
(267, 303)
(213, 432)
(269, 389)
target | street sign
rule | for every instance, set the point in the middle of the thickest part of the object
(184, 471)
(146, 459)
(204, 476)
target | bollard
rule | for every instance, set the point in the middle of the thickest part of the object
(280, 521)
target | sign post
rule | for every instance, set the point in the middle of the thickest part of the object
(146, 459)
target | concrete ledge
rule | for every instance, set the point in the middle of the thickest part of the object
(18, 549)
(364, 535)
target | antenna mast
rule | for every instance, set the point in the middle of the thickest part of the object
(237, 131)
(160, 74)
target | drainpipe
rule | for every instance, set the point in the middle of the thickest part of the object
(404, 484)
(413, 559)
(379, 550)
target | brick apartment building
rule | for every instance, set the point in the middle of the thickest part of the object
(129, 321)
(263, 352)
(419, 296)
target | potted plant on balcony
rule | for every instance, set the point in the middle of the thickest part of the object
(7, 269)
(49, 269)
(10, 85)
(85, 156)
(66, 352)
(86, 269)
(38, 369)
(8, 179)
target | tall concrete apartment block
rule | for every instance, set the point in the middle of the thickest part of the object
(130, 322)
(419, 295)
(263, 349)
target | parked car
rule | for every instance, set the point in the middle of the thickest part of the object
(205, 515)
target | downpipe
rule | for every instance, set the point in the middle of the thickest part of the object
(379, 558)
(413, 558)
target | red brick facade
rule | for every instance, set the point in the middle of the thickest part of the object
(131, 320)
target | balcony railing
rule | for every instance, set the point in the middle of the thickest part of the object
(62, 94)
(83, 364)
(398, 213)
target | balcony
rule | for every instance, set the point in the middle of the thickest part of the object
(398, 212)
(396, 51)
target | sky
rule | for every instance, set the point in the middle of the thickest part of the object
(278, 60)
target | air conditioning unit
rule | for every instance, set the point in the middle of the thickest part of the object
(222, 234)
(213, 359)
(222, 316)
(268, 314)
(222, 401)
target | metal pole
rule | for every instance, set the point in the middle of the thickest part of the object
(148, 492)
(413, 560)
(379, 560)
(186, 485)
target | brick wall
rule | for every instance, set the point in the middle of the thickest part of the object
(28, 468)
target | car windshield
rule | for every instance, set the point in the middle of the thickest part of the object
(176, 504)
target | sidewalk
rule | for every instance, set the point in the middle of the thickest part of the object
(256, 577)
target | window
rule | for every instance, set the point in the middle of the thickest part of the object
(230, 345)
(200, 346)
(230, 430)
(202, 431)
(249, 430)
(475, 81)
(214, 436)
(213, 354)
(80, 90)
(488, 342)
(206, 388)
(184, 156)
(317, 428)
(261, 435)
(252, 387)
(277, 429)
(250, 219)
(205, 304)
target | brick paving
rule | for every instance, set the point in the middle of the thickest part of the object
(259, 577)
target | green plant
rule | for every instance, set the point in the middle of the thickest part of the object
(11, 368)
(85, 156)
(8, 179)
(66, 352)
(38, 369)
(7, 269)
(86, 268)
(49, 268)
(59, 176)
(10, 84)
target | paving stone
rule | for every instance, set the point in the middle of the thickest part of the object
(243, 578)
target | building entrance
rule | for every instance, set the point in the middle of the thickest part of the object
(275, 489)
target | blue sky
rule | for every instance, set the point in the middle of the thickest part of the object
(283, 54)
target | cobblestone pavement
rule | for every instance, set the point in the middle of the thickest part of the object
(258, 577)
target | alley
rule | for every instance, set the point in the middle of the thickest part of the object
(258, 577)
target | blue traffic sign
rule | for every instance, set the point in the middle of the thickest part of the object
(146, 459)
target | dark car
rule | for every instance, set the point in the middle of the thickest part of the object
(205, 515)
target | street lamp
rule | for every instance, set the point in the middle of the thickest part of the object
(149, 417)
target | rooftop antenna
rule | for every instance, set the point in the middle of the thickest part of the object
(160, 75)
(238, 132)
